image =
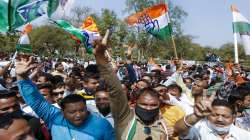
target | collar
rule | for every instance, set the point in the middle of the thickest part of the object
(232, 131)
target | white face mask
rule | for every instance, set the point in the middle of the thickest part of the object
(219, 130)
(172, 100)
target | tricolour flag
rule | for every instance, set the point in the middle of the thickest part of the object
(154, 19)
(15, 13)
(242, 26)
(24, 41)
(80, 34)
(91, 28)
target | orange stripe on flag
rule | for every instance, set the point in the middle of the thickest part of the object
(153, 12)
(234, 8)
(89, 25)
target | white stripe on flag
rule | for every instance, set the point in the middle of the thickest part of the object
(239, 17)
(162, 20)
(246, 43)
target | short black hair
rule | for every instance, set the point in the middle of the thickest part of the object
(219, 102)
(48, 76)
(148, 91)
(45, 85)
(88, 76)
(7, 94)
(72, 98)
(175, 86)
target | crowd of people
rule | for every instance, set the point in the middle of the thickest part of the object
(65, 100)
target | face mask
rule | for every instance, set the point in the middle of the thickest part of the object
(172, 100)
(147, 116)
(218, 130)
(104, 110)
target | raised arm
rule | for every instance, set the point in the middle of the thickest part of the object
(118, 99)
(201, 110)
(31, 94)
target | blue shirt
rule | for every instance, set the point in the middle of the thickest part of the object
(93, 128)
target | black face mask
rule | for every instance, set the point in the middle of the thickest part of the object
(147, 116)
(104, 111)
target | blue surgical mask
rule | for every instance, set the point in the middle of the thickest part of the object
(219, 130)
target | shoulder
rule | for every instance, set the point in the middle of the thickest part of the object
(240, 132)
(98, 121)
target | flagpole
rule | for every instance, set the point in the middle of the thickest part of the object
(174, 46)
(172, 38)
(236, 56)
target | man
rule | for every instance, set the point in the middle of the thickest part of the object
(59, 70)
(144, 122)
(14, 127)
(46, 90)
(57, 93)
(74, 120)
(102, 107)
(211, 122)
(180, 99)
(170, 112)
(9, 105)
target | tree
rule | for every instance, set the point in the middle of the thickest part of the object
(47, 40)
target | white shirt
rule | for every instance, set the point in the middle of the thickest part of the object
(201, 131)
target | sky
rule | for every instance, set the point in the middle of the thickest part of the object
(208, 21)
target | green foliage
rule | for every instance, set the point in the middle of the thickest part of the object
(48, 40)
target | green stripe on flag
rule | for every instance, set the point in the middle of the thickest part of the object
(3, 16)
(25, 48)
(240, 27)
(163, 33)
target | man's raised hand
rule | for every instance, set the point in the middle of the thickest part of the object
(23, 68)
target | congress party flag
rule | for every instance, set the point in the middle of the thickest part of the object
(154, 19)
(80, 34)
(24, 41)
(91, 28)
(242, 26)
(15, 13)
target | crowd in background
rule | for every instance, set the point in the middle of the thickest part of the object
(64, 99)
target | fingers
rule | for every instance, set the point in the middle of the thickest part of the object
(212, 97)
(170, 131)
(30, 61)
(105, 38)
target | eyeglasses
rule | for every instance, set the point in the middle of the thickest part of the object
(147, 131)
(57, 93)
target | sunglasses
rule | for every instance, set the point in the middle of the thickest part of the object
(57, 93)
(147, 131)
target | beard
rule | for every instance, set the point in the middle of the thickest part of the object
(103, 109)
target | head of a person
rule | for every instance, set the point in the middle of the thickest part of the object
(147, 78)
(222, 116)
(71, 84)
(198, 86)
(102, 102)
(57, 92)
(241, 96)
(141, 84)
(13, 127)
(74, 109)
(163, 92)
(44, 78)
(8, 102)
(46, 90)
(91, 81)
(59, 67)
(147, 105)
(175, 90)
(188, 82)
